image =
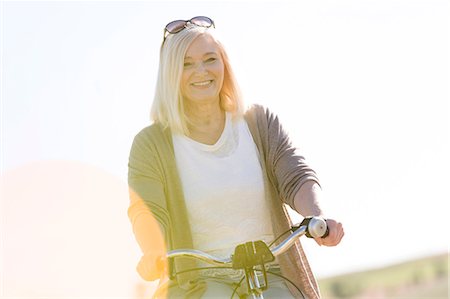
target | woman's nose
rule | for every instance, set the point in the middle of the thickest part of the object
(201, 69)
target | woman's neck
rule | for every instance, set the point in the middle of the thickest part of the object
(206, 122)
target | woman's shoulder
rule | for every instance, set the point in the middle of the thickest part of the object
(255, 109)
(258, 113)
(153, 133)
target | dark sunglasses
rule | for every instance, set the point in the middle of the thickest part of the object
(179, 25)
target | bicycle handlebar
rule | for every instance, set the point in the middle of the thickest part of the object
(311, 226)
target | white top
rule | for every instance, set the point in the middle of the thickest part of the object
(224, 189)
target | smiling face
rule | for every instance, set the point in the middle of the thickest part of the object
(203, 72)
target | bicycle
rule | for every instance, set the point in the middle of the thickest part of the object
(250, 255)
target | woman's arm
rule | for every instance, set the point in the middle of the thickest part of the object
(296, 183)
(147, 213)
(150, 237)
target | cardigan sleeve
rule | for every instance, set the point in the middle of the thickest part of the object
(286, 167)
(147, 211)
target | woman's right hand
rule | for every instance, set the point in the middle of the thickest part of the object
(335, 235)
(152, 265)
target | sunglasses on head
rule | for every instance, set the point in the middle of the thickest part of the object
(179, 25)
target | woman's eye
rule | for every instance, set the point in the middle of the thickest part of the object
(212, 59)
(187, 64)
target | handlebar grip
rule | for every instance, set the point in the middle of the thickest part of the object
(315, 227)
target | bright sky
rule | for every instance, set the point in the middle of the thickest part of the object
(362, 86)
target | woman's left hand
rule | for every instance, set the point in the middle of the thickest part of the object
(336, 232)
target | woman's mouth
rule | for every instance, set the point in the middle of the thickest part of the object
(205, 83)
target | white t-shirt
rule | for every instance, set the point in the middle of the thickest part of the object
(223, 189)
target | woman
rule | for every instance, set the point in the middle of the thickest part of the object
(214, 174)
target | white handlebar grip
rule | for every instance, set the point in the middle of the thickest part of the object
(317, 227)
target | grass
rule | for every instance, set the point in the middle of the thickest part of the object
(418, 279)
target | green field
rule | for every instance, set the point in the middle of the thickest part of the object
(425, 278)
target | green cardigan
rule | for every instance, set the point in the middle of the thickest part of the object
(153, 175)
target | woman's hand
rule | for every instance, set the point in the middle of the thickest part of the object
(152, 265)
(336, 232)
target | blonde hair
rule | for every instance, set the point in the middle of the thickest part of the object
(167, 108)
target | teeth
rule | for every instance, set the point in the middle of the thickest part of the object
(203, 83)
